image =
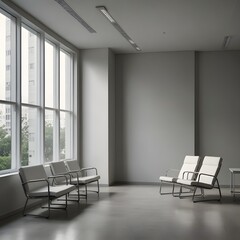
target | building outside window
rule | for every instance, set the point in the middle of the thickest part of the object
(36, 122)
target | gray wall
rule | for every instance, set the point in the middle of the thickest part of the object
(12, 196)
(172, 104)
(112, 114)
(218, 108)
(154, 113)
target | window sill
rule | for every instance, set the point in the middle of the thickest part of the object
(8, 174)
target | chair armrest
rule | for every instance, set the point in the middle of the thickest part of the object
(27, 193)
(59, 176)
(36, 180)
(82, 170)
(208, 175)
(89, 169)
(73, 171)
(189, 172)
(76, 172)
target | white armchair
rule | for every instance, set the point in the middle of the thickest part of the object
(190, 164)
(206, 178)
(36, 185)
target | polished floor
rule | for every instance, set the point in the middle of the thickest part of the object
(131, 212)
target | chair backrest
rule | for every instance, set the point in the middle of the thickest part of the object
(190, 164)
(210, 165)
(32, 173)
(72, 165)
(58, 168)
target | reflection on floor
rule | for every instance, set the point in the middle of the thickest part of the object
(132, 212)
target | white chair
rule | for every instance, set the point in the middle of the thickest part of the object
(206, 178)
(36, 185)
(190, 164)
(75, 176)
(83, 176)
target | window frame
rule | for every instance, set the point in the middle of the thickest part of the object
(13, 92)
(17, 104)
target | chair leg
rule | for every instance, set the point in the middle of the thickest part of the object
(78, 192)
(49, 206)
(194, 192)
(98, 187)
(175, 194)
(25, 206)
(86, 190)
(66, 202)
(180, 191)
(173, 188)
(165, 193)
(218, 186)
(204, 200)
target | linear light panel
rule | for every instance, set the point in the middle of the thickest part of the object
(75, 15)
(106, 14)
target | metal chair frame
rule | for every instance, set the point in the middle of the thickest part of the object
(48, 197)
(173, 193)
(194, 188)
(79, 174)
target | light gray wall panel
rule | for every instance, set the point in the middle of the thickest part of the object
(112, 137)
(155, 113)
(95, 125)
(219, 108)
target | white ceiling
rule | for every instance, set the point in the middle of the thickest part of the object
(155, 25)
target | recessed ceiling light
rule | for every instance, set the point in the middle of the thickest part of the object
(75, 15)
(105, 13)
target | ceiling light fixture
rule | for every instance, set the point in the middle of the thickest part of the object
(226, 41)
(105, 13)
(75, 15)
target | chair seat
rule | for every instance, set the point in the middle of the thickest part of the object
(168, 179)
(85, 180)
(55, 191)
(185, 182)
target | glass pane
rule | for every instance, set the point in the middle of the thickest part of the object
(49, 133)
(29, 66)
(50, 81)
(29, 136)
(65, 81)
(65, 135)
(5, 137)
(7, 41)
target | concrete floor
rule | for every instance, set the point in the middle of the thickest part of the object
(131, 212)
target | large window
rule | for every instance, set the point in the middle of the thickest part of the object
(30, 66)
(65, 105)
(36, 106)
(30, 154)
(58, 103)
(50, 75)
(30, 97)
(7, 92)
(50, 129)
